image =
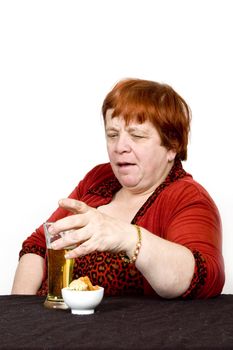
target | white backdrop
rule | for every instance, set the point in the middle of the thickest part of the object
(58, 60)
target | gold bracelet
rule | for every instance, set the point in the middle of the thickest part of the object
(138, 246)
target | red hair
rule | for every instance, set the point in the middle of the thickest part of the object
(141, 100)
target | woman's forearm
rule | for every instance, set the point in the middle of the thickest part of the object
(167, 266)
(28, 275)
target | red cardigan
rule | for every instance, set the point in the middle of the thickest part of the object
(180, 210)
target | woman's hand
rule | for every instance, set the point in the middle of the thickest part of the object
(90, 230)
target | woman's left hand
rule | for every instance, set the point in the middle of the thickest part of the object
(90, 230)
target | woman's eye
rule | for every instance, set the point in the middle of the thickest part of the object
(111, 136)
(136, 136)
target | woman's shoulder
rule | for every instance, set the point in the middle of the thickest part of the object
(186, 199)
(187, 189)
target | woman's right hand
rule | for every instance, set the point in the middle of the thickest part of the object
(90, 230)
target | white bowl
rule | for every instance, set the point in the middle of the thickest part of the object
(82, 302)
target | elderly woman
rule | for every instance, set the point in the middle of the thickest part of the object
(140, 224)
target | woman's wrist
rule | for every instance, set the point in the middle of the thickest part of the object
(131, 254)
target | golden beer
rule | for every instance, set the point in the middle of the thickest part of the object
(60, 272)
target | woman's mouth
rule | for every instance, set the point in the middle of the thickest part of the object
(124, 165)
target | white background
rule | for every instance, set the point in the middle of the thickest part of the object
(58, 60)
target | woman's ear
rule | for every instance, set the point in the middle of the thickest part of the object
(171, 155)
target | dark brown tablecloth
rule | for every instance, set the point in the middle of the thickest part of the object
(118, 323)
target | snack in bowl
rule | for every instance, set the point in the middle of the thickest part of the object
(82, 297)
(82, 283)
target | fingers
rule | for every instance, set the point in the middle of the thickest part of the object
(73, 229)
(81, 250)
(72, 221)
(70, 238)
(73, 205)
(85, 248)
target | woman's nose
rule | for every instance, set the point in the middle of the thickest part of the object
(123, 144)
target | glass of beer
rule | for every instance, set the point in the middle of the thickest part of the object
(60, 270)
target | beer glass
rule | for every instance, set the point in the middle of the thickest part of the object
(60, 270)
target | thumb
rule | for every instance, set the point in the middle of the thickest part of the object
(73, 205)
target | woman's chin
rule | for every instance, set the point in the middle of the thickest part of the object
(128, 183)
(127, 179)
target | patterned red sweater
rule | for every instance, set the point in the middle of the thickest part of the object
(180, 210)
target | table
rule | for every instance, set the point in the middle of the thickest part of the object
(118, 323)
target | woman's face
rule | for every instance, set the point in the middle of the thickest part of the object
(137, 158)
